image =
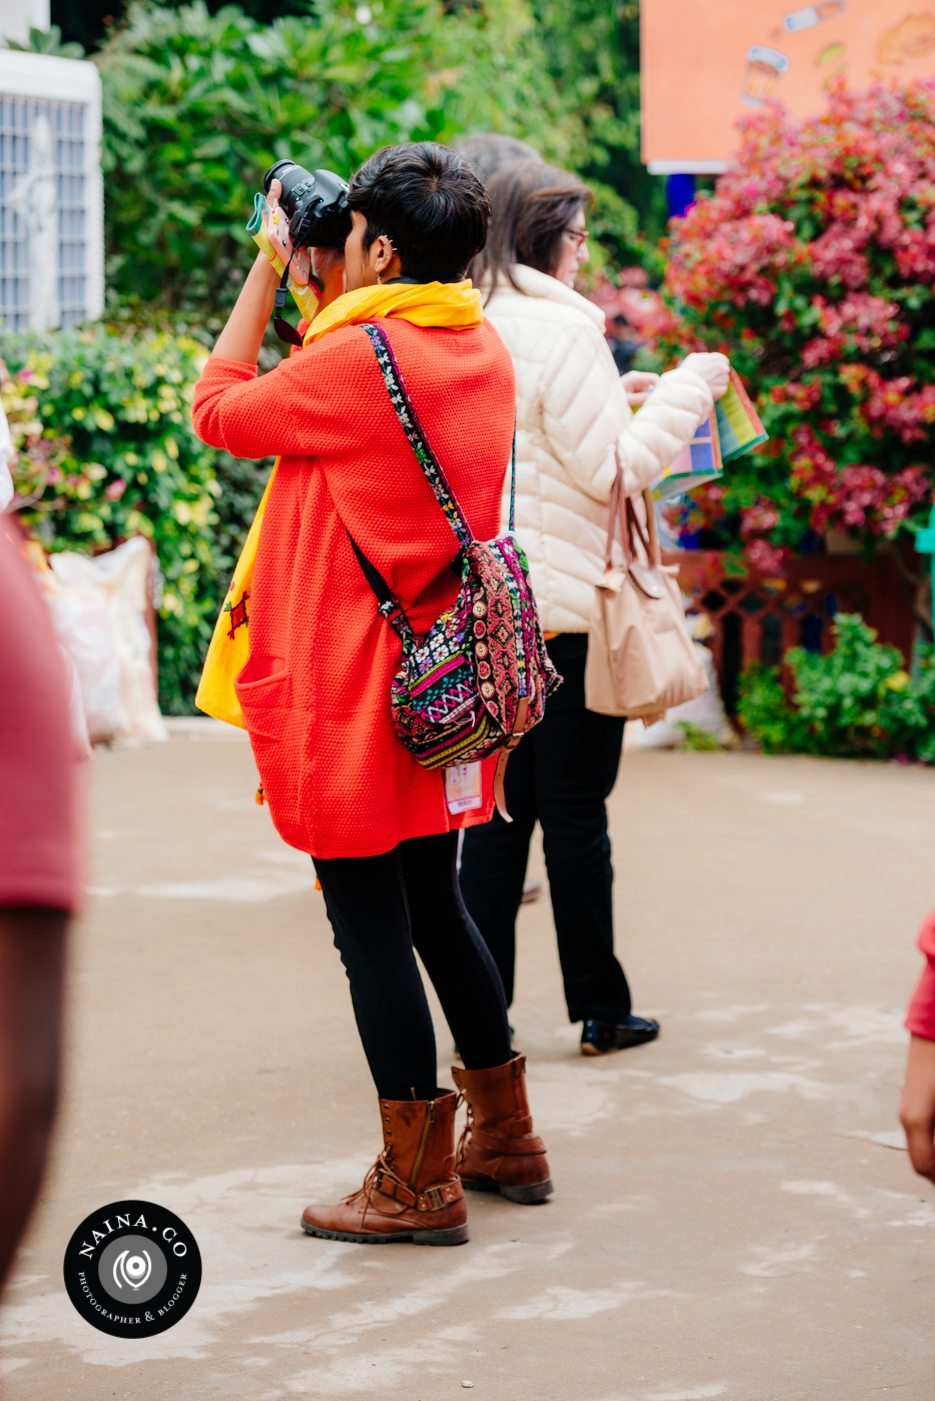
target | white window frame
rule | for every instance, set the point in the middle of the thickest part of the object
(40, 76)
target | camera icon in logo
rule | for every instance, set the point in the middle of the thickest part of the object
(132, 1270)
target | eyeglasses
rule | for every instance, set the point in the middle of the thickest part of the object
(579, 236)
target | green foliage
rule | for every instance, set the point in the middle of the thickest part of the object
(698, 741)
(592, 51)
(767, 715)
(858, 701)
(46, 41)
(197, 105)
(463, 67)
(101, 426)
(87, 20)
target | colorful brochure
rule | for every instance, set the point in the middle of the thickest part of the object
(739, 426)
(700, 462)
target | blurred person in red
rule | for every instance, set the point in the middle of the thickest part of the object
(917, 1110)
(38, 883)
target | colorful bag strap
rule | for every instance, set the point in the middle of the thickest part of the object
(409, 421)
(388, 604)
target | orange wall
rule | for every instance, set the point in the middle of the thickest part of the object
(699, 75)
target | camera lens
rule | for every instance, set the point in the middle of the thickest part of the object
(315, 205)
(296, 182)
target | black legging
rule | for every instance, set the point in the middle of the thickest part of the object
(384, 910)
(561, 776)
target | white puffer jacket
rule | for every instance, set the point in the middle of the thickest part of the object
(571, 414)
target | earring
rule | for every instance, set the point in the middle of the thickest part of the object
(380, 279)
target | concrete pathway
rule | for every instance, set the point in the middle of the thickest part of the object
(734, 1217)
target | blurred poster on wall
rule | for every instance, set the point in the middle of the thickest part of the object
(706, 63)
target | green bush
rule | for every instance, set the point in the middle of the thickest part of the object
(858, 701)
(592, 52)
(197, 105)
(102, 428)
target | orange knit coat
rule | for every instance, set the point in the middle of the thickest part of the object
(316, 691)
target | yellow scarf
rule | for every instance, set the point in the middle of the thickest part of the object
(423, 304)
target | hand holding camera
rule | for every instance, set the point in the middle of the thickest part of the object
(322, 268)
(301, 224)
(276, 222)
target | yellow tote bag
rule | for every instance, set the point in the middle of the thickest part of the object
(229, 651)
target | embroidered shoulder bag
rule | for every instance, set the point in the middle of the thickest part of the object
(479, 678)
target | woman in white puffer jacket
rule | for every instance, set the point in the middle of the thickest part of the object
(574, 423)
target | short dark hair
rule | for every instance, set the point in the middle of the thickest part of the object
(532, 206)
(429, 203)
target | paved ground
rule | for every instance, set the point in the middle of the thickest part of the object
(733, 1218)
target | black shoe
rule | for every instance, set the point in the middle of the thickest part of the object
(597, 1038)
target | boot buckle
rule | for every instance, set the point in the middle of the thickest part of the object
(389, 1186)
(434, 1197)
(386, 1184)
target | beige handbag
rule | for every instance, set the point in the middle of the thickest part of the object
(641, 660)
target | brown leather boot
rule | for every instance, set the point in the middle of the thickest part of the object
(498, 1150)
(412, 1192)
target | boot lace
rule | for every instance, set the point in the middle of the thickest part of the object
(382, 1167)
(467, 1132)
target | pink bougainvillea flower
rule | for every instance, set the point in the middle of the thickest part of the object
(767, 558)
(812, 264)
(759, 519)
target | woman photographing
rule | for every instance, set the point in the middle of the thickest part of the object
(315, 694)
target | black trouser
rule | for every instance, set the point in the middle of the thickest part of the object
(384, 910)
(562, 773)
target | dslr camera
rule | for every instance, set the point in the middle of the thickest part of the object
(315, 204)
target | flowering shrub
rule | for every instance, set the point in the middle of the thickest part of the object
(104, 449)
(856, 702)
(812, 265)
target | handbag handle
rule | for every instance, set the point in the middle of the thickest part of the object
(629, 525)
(648, 537)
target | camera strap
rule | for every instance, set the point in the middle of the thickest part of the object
(283, 328)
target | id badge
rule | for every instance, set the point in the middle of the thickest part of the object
(463, 787)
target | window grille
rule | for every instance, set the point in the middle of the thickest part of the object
(51, 226)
